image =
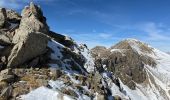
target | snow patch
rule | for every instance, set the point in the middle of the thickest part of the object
(57, 48)
(43, 93)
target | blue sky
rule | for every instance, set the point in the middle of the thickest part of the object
(106, 22)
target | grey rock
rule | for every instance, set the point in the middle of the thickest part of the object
(34, 62)
(7, 75)
(2, 17)
(6, 93)
(30, 45)
(4, 40)
(33, 20)
(12, 16)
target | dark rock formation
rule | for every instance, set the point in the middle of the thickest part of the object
(3, 17)
(125, 62)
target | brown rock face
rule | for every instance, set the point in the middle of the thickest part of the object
(30, 39)
(34, 44)
(125, 62)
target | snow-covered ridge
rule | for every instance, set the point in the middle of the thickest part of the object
(156, 87)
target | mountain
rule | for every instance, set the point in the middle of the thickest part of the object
(39, 64)
(143, 71)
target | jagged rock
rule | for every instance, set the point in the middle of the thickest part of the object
(34, 62)
(4, 39)
(13, 16)
(116, 97)
(28, 39)
(124, 61)
(100, 51)
(68, 42)
(6, 93)
(7, 75)
(33, 20)
(55, 73)
(30, 46)
(2, 17)
(69, 92)
(100, 97)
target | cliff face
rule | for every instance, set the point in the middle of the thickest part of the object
(137, 65)
(39, 64)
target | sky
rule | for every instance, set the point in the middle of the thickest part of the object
(106, 22)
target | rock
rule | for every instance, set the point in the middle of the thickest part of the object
(3, 59)
(3, 85)
(100, 97)
(6, 72)
(34, 62)
(55, 73)
(61, 39)
(4, 40)
(29, 40)
(42, 82)
(69, 92)
(4, 52)
(2, 17)
(31, 45)
(116, 97)
(132, 85)
(7, 76)
(33, 20)
(124, 61)
(6, 93)
(13, 16)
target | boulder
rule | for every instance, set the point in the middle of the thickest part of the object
(30, 45)
(4, 40)
(33, 20)
(2, 17)
(6, 93)
(29, 40)
(7, 76)
(100, 97)
(13, 16)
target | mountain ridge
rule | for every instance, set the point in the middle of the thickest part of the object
(39, 64)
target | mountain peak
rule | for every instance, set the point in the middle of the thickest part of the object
(135, 45)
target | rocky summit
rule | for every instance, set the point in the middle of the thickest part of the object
(39, 64)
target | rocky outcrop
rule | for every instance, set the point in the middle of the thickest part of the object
(124, 61)
(13, 16)
(28, 39)
(3, 17)
(32, 46)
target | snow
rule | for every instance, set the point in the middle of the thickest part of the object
(114, 89)
(43, 93)
(89, 65)
(119, 50)
(157, 89)
(57, 48)
(133, 94)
